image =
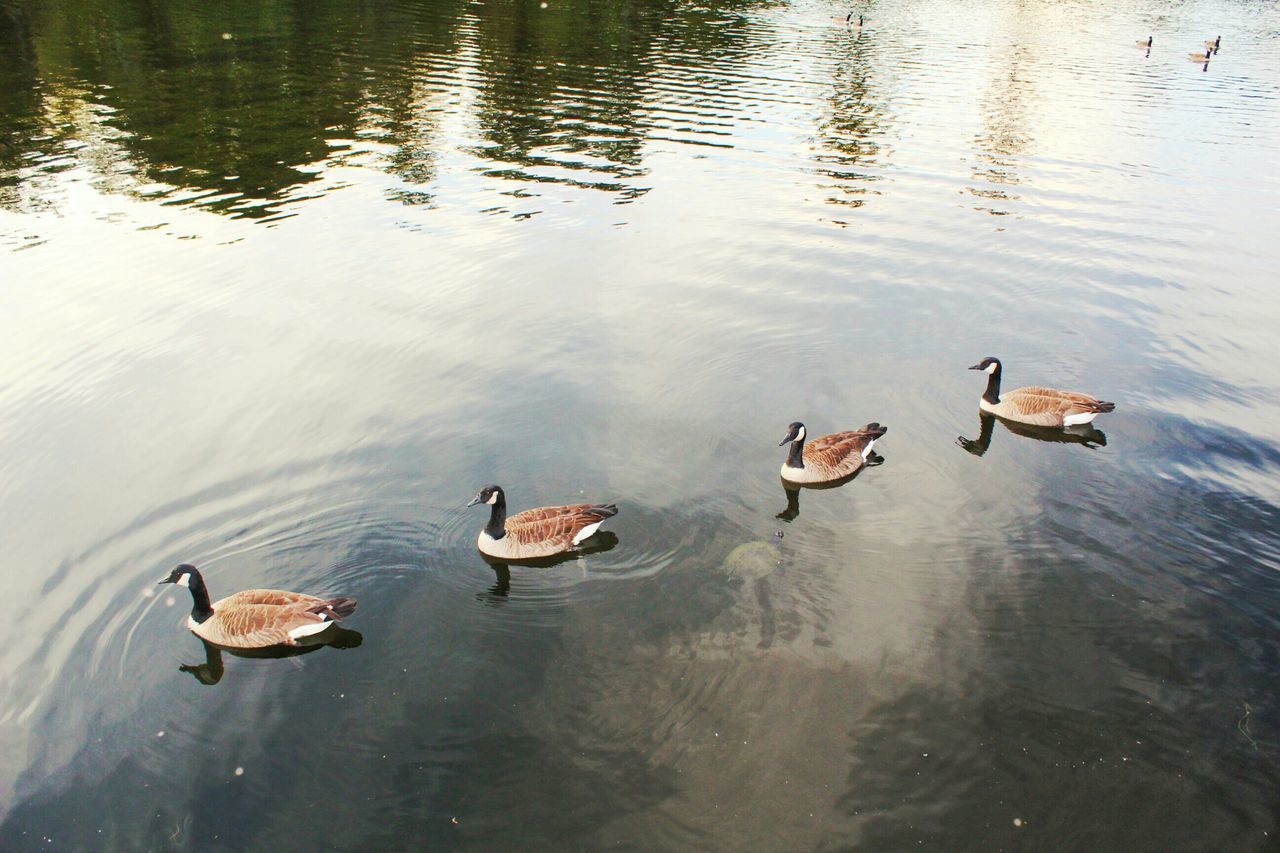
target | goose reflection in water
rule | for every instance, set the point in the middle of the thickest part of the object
(1086, 434)
(602, 541)
(792, 490)
(210, 672)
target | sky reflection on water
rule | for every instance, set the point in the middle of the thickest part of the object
(279, 303)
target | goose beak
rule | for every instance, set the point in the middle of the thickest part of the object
(474, 501)
(976, 367)
(790, 437)
(166, 580)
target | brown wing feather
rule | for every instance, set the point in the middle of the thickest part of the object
(276, 597)
(256, 618)
(839, 452)
(552, 524)
(1048, 406)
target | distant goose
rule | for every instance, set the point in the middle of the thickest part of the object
(1214, 45)
(256, 618)
(1046, 407)
(1145, 44)
(536, 533)
(1200, 56)
(828, 457)
(848, 21)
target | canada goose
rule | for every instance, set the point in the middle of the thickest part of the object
(1145, 44)
(848, 21)
(1200, 56)
(1213, 45)
(256, 618)
(828, 457)
(1034, 405)
(535, 533)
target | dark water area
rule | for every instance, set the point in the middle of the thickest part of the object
(282, 285)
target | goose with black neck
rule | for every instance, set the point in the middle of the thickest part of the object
(256, 618)
(536, 533)
(827, 457)
(1036, 405)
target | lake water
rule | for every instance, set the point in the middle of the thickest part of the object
(282, 285)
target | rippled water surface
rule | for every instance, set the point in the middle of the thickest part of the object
(281, 285)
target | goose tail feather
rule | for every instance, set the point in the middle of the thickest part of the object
(604, 510)
(335, 608)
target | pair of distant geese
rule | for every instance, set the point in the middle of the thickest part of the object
(1211, 47)
(264, 618)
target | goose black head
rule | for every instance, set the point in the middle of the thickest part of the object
(795, 432)
(181, 575)
(990, 364)
(488, 495)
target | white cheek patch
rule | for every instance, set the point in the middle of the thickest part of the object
(493, 498)
(184, 580)
(800, 435)
(991, 368)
